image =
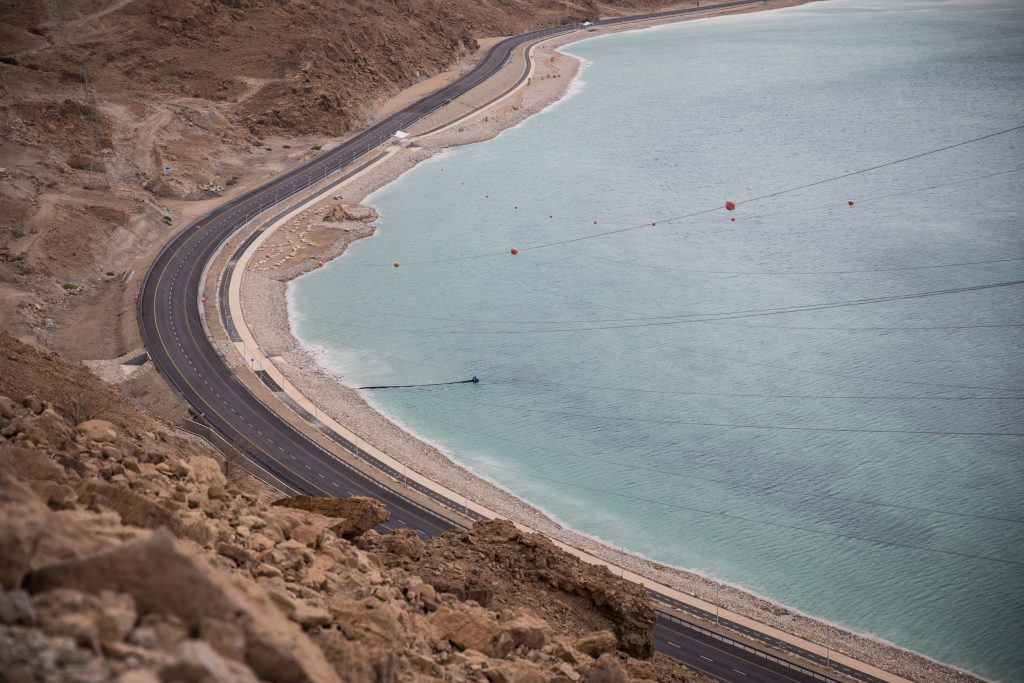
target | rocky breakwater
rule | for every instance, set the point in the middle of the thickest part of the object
(129, 558)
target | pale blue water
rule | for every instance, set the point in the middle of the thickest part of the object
(672, 437)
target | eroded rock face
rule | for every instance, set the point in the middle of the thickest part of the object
(358, 513)
(497, 565)
(341, 213)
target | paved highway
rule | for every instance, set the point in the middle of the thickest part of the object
(172, 330)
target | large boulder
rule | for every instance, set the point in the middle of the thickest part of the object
(340, 213)
(133, 508)
(32, 536)
(596, 644)
(89, 619)
(47, 429)
(197, 662)
(359, 514)
(100, 431)
(404, 542)
(207, 471)
(30, 464)
(164, 577)
(466, 626)
(22, 526)
(526, 630)
(369, 621)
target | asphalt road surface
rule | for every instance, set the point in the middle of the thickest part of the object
(172, 331)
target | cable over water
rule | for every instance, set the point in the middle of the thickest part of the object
(473, 380)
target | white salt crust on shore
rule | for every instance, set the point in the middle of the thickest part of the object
(263, 298)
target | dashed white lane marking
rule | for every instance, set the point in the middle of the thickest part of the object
(707, 658)
(673, 644)
(739, 672)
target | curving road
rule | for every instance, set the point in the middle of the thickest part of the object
(172, 329)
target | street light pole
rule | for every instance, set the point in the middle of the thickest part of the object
(828, 646)
(718, 616)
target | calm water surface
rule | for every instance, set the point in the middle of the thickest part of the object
(859, 461)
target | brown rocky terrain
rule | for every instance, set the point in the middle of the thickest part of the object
(129, 552)
(126, 554)
(99, 97)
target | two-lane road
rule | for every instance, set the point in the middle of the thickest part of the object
(171, 325)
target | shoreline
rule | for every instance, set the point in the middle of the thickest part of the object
(265, 286)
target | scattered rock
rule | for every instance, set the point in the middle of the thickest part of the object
(596, 644)
(16, 608)
(197, 662)
(368, 621)
(466, 626)
(359, 513)
(33, 404)
(404, 542)
(164, 578)
(160, 631)
(224, 637)
(99, 431)
(309, 616)
(527, 630)
(30, 464)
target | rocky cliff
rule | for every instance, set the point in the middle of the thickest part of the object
(127, 554)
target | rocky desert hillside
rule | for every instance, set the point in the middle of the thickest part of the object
(97, 97)
(127, 554)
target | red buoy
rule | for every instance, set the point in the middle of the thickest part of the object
(595, 222)
(396, 264)
(551, 216)
(732, 218)
(850, 202)
(653, 224)
(514, 251)
(730, 205)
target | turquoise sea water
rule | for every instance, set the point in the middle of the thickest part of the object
(857, 462)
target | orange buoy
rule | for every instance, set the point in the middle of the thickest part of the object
(397, 264)
(730, 205)
(850, 202)
(514, 251)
